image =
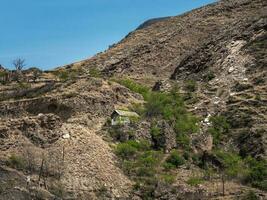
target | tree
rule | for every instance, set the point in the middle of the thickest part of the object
(232, 166)
(19, 64)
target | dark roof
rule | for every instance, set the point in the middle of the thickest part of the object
(125, 113)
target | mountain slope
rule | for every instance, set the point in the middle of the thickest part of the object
(153, 52)
(56, 141)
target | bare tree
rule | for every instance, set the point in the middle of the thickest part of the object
(19, 64)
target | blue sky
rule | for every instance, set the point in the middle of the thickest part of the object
(51, 33)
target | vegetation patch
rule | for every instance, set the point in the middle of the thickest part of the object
(194, 181)
(174, 160)
(220, 127)
(16, 162)
(191, 85)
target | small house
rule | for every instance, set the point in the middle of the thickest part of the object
(122, 117)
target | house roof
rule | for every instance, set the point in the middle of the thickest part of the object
(126, 113)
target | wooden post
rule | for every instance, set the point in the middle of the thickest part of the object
(63, 154)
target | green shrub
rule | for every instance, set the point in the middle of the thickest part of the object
(257, 173)
(149, 159)
(232, 164)
(66, 74)
(191, 85)
(128, 166)
(3, 74)
(16, 162)
(94, 72)
(219, 128)
(168, 105)
(157, 137)
(127, 150)
(196, 159)
(175, 159)
(135, 87)
(21, 85)
(209, 76)
(117, 133)
(186, 155)
(168, 166)
(62, 75)
(183, 141)
(250, 195)
(138, 108)
(168, 178)
(58, 190)
(186, 124)
(194, 181)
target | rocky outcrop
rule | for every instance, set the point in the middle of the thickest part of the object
(40, 130)
(165, 137)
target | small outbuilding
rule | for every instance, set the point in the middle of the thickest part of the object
(122, 117)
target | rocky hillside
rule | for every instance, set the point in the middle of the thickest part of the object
(153, 52)
(198, 83)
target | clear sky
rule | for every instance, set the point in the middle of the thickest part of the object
(51, 33)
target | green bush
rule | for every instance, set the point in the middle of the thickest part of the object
(22, 85)
(168, 178)
(183, 141)
(16, 162)
(94, 72)
(250, 195)
(257, 173)
(232, 164)
(194, 181)
(157, 137)
(196, 159)
(168, 166)
(58, 190)
(191, 85)
(149, 159)
(168, 105)
(3, 74)
(62, 75)
(66, 74)
(186, 124)
(135, 87)
(186, 155)
(175, 159)
(138, 108)
(209, 76)
(127, 150)
(147, 163)
(219, 128)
